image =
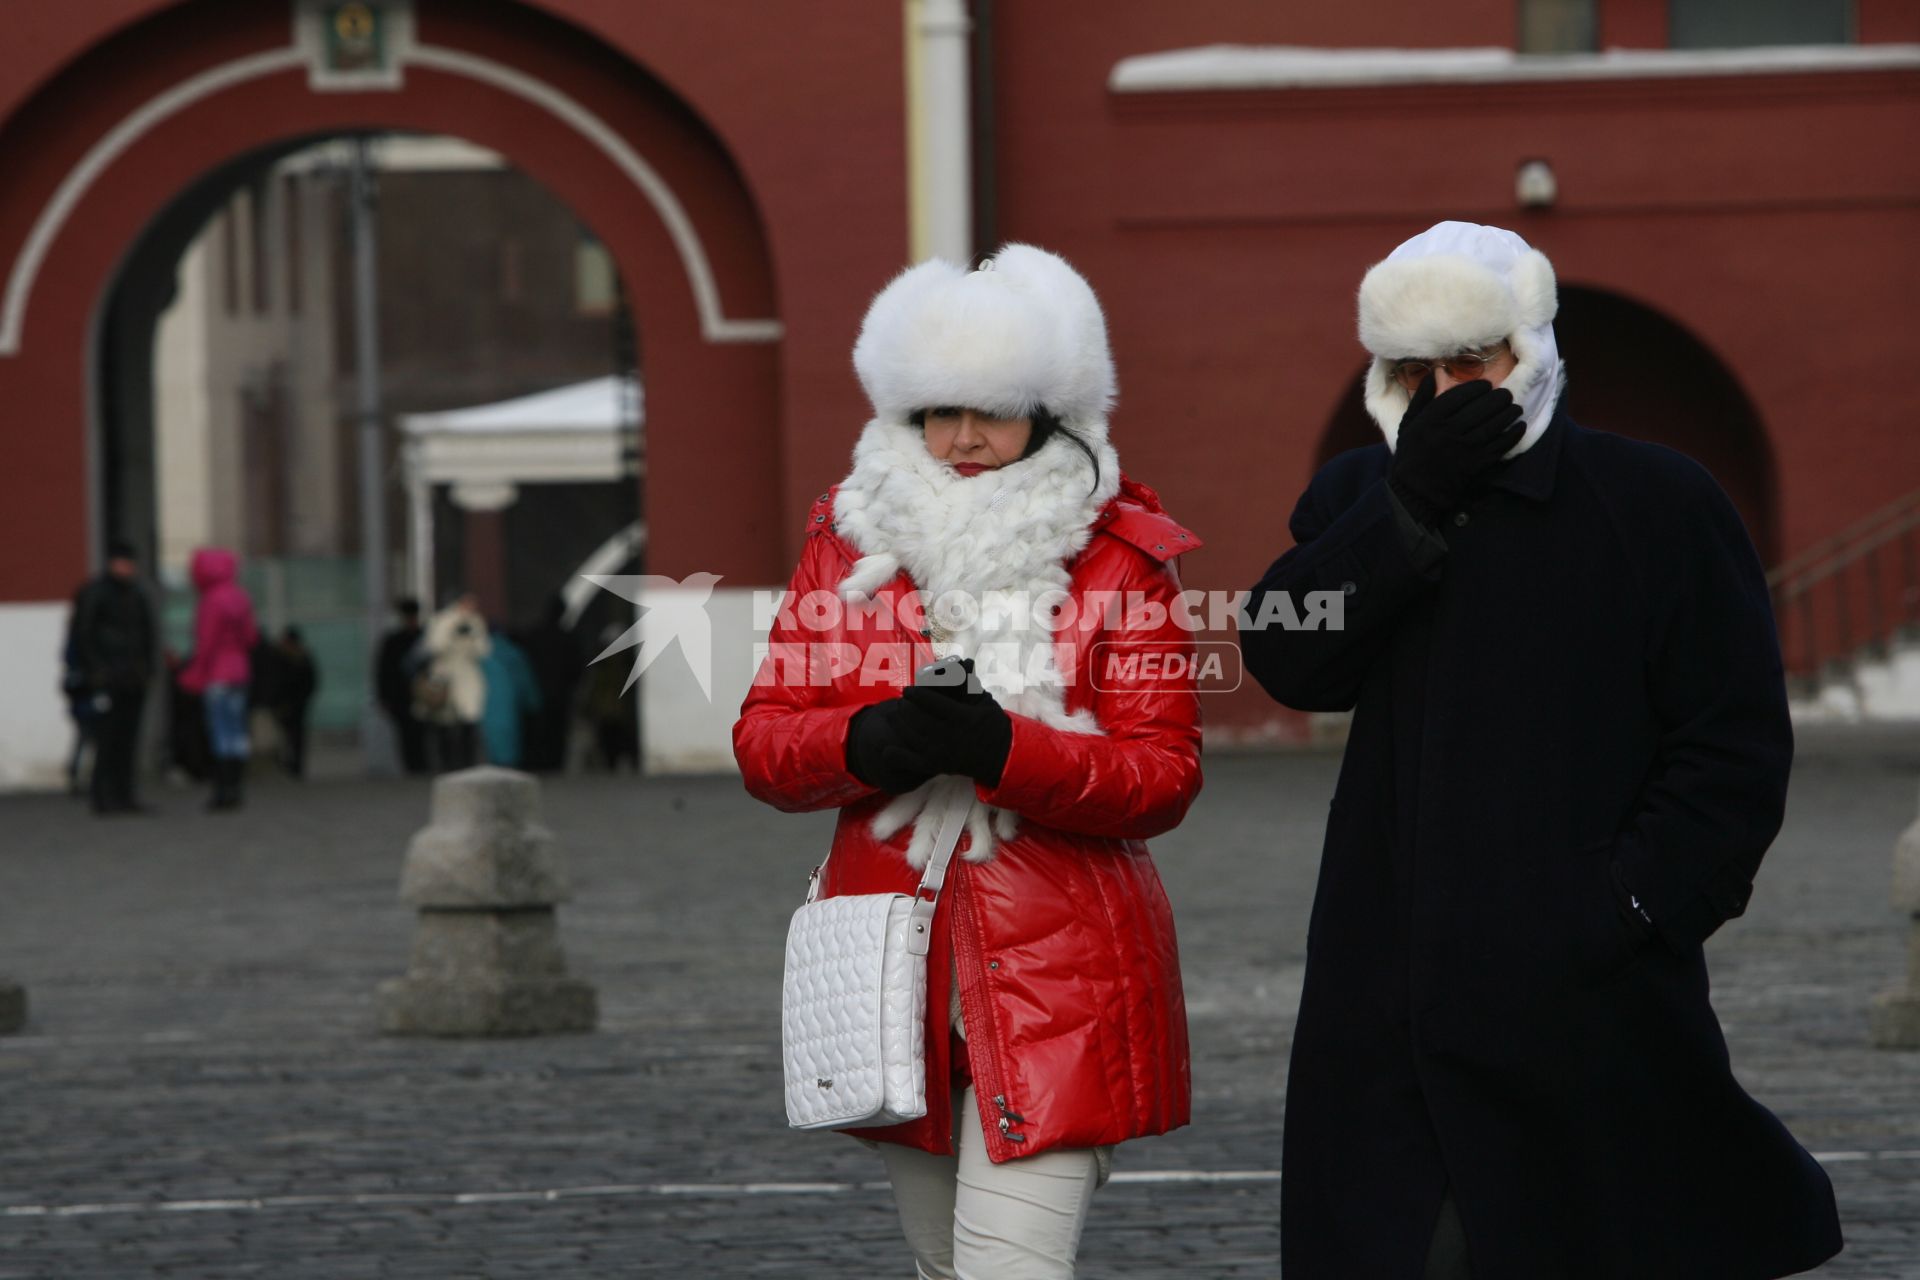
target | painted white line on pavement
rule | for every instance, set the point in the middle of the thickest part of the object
(691, 1190)
(1198, 1176)
(145, 1037)
(631, 1189)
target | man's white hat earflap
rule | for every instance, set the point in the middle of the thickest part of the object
(1023, 331)
(1454, 286)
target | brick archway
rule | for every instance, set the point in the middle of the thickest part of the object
(108, 144)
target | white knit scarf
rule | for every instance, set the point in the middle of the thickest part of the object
(1011, 530)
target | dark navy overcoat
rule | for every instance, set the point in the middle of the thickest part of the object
(1588, 675)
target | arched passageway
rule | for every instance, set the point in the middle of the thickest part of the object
(226, 395)
(110, 145)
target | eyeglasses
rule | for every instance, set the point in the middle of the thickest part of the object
(1467, 366)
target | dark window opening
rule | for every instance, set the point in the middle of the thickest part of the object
(290, 195)
(257, 224)
(1733, 24)
(1558, 26)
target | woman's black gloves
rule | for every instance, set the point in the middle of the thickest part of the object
(1449, 441)
(959, 732)
(899, 744)
(877, 751)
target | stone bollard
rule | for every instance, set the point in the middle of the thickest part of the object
(486, 958)
(13, 1006)
(1896, 1015)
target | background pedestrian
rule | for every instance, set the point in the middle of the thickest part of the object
(220, 668)
(450, 694)
(554, 653)
(513, 698)
(610, 713)
(73, 686)
(394, 669)
(112, 647)
(296, 680)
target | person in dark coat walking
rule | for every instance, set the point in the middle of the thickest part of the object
(1569, 751)
(558, 663)
(73, 687)
(393, 671)
(295, 680)
(111, 644)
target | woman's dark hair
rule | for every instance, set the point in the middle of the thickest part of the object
(1045, 427)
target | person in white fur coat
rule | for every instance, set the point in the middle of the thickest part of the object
(1056, 1025)
(456, 643)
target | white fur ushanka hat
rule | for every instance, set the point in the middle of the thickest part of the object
(1024, 331)
(1458, 285)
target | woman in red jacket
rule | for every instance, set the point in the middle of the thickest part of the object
(986, 518)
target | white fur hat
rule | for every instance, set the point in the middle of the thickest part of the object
(1023, 331)
(1459, 285)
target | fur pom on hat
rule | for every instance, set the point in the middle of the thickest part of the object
(1454, 286)
(1022, 332)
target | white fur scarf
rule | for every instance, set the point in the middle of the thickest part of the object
(1010, 530)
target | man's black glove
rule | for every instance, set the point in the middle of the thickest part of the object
(969, 735)
(879, 750)
(1447, 442)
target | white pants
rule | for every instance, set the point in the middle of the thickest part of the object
(967, 1218)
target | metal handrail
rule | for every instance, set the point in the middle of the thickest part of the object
(1826, 546)
(1831, 564)
(1814, 576)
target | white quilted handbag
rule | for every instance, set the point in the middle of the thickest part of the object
(854, 1004)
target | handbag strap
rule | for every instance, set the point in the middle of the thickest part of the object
(953, 799)
(956, 800)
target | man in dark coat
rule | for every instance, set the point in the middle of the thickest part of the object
(554, 653)
(393, 671)
(111, 643)
(294, 679)
(1569, 751)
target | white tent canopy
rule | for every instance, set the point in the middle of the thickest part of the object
(572, 434)
(595, 406)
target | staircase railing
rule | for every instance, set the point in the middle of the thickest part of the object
(1850, 596)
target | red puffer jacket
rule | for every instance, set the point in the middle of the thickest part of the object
(1063, 943)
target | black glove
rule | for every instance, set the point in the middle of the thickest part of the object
(1449, 441)
(968, 735)
(878, 750)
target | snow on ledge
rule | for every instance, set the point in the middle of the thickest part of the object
(1228, 66)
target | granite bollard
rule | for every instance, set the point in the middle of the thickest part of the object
(485, 876)
(13, 1006)
(1895, 1017)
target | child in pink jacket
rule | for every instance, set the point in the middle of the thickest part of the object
(224, 634)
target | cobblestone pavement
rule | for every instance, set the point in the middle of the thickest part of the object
(200, 1092)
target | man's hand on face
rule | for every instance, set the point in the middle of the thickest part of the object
(1449, 441)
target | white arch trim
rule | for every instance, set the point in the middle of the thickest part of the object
(714, 326)
(693, 255)
(66, 197)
